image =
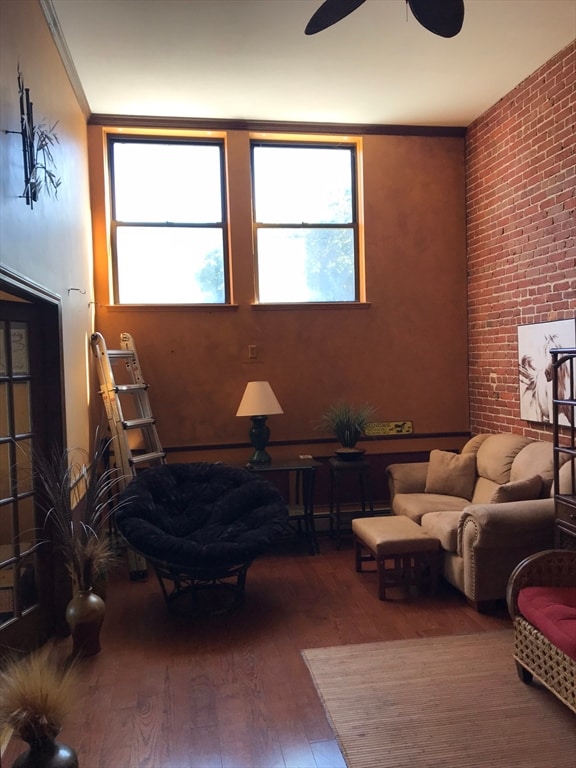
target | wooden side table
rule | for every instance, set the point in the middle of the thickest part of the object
(301, 507)
(339, 471)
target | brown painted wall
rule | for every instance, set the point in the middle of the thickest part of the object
(49, 246)
(521, 210)
(405, 351)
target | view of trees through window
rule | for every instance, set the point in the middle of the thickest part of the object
(169, 224)
(168, 232)
(305, 219)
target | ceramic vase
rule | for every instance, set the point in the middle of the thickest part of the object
(85, 614)
(47, 753)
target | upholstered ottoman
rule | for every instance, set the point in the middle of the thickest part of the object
(400, 548)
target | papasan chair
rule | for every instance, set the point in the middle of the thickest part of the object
(200, 526)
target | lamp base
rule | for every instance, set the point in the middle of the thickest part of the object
(259, 435)
(260, 457)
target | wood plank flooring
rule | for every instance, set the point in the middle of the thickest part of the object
(232, 691)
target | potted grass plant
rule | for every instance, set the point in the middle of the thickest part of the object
(78, 497)
(347, 423)
(38, 691)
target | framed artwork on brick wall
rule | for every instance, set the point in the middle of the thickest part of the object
(535, 366)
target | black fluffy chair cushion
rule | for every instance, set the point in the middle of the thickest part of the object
(201, 515)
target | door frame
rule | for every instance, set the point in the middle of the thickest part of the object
(49, 428)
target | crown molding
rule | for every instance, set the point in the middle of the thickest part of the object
(271, 126)
(60, 42)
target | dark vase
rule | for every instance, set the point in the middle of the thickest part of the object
(47, 753)
(85, 614)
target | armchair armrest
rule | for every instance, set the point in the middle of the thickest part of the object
(494, 538)
(551, 568)
(501, 526)
(407, 478)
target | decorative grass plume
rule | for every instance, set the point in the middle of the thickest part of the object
(78, 500)
(346, 422)
(38, 691)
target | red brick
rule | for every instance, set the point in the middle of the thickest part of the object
(520, 201)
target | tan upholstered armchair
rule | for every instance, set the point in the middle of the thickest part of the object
(542, 603)
(489, 506)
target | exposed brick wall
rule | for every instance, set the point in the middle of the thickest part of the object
(521, 179)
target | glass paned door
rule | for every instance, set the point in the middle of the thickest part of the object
(18, 531)
(28, 340)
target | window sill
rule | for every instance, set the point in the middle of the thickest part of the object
(328, 305)
(291, 305)
(170, 307)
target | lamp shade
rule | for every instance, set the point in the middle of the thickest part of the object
(258, 400)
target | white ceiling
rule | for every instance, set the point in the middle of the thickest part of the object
(250, 59)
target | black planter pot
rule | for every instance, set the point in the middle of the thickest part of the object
(349, 454)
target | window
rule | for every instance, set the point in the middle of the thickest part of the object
(305, 222)
(169, 232)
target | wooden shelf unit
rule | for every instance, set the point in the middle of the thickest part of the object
(564, 436)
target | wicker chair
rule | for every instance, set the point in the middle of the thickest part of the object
(535, 655)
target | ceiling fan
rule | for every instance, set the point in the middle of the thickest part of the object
(442, 17)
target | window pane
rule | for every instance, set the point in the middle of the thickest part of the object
(6, 490)
(27, 592)
(28, 532)
(6, 593)
(19, 342)
(4, 425)
(24, 474)
(3, 352)
(302, 185)
(172, 265)
(22, 412)
(299, 265)
(7, 530)
(167, 182)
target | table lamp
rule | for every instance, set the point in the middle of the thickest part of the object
(259, 399)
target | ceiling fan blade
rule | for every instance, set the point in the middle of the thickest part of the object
(442, 17)
(329, 13)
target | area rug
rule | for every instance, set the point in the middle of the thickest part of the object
(443, 702)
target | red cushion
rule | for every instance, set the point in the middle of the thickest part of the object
(552, 610)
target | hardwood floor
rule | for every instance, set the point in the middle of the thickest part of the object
(232, 691)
